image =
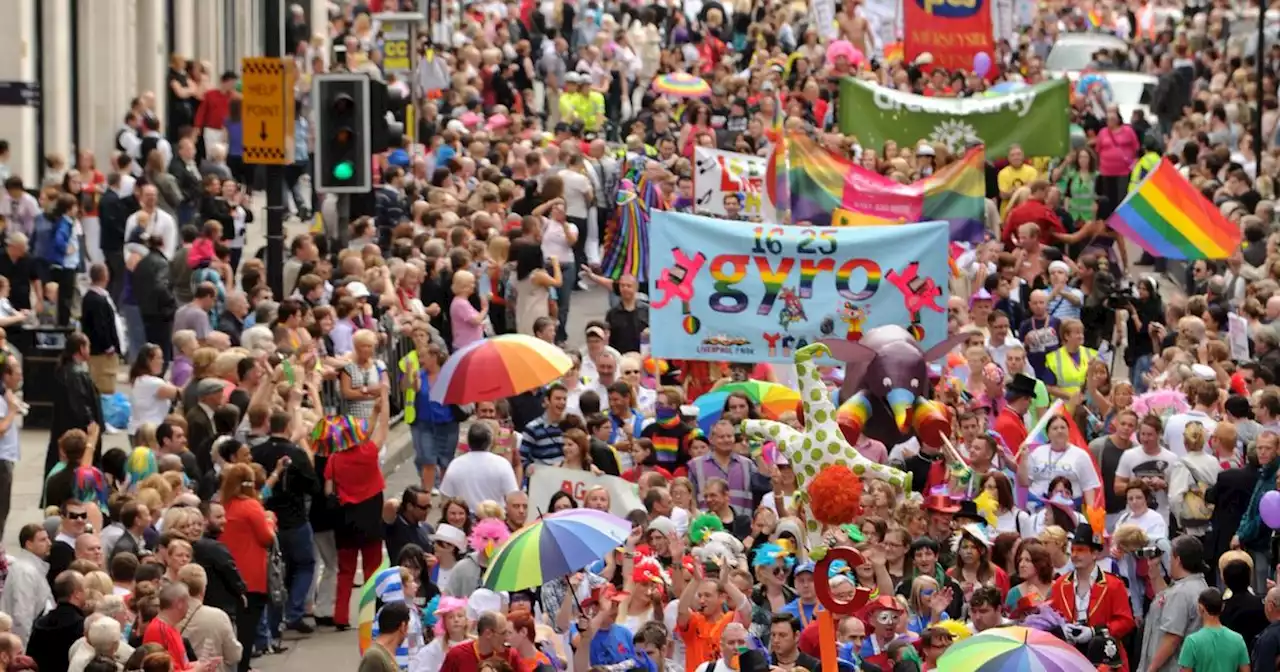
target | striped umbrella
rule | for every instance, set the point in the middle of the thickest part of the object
(554, 546)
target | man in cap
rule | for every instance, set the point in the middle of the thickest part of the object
(1088, 597)
(806, 602)
(200, 430)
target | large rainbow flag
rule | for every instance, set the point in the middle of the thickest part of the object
(822, 188)
(1169, 218)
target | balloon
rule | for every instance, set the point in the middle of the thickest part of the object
(981, 63)
(1269, 509)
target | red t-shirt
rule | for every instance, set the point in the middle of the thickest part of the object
(355, 473)
(465, 657)
(159, 632)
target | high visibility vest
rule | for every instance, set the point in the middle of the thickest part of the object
(409, 374)
(1145, 165)
(1070, 376)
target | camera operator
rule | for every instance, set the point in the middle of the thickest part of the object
(1173, 613)
(1103, 296)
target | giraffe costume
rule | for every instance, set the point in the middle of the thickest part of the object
(821, 444)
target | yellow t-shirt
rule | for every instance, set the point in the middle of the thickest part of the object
(1010, 179)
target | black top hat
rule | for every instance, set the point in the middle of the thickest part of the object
(969, 510)
(1085, 536)
(1022, 385)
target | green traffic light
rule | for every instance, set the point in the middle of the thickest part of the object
(344, 171)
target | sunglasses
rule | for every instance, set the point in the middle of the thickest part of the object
(631, 372)
(78, 516)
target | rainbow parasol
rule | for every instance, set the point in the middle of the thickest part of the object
(1014, 648)
(554, 546)
(498, 367)
(772, 399)
(682, 85)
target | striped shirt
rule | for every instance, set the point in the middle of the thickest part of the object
(542, 443)
(387, 588)
(704, 468)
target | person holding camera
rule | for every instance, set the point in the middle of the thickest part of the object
(1174, 613)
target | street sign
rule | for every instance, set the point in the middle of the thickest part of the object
(19, 94)
(266, 112)
(395, 52)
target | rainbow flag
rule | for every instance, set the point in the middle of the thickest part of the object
(1169, 218)
(1095, 19)
(957, 194)
(806, 179)
(893, 52)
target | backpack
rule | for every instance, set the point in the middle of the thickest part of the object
(1196, 510)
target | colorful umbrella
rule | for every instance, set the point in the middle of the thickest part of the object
(682, 85)
(1014, 648)
(367, 609)
(772, 398)
(498, 367)
(554, 546)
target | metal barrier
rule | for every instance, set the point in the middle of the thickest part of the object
(388, 356)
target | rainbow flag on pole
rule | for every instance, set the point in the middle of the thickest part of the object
(1169, 218)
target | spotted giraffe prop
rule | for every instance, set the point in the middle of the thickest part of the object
(821, 444)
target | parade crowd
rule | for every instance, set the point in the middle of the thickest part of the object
(252, 495)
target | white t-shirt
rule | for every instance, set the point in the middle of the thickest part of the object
(147, 407)
(1153, 523)
(555, 243)
(479, 476)
(1177, 424)
(1136, 463)
(1074, 463)
(577, 194)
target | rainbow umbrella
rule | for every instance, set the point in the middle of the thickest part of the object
(554, 546)
(498, 367)
(772, 399)
(1014, 648)
(682, 85)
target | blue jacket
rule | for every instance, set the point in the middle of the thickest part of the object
(63, 234)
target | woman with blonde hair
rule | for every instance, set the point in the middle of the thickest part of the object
(466, 321)
(1055, 540)
(925, 605)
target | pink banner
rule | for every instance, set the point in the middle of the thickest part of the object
(872, 194)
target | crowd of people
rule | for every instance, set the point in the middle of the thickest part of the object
(252, 493)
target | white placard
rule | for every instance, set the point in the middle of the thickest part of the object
(545, 481)
(717, 172)
(1238, 337)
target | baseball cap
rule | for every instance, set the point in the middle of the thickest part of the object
(595, 331)
(358, 290)
(803, 567)
(662, 524)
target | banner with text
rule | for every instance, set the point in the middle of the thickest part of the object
(954, 31)
(727, 291)
(546, 481)
(1034, 118)
(717, 172)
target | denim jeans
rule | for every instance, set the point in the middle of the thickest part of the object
(1140, 367)
(137, 332)
(434, 444)
(298, 547)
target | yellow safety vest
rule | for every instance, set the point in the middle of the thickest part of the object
(1146, 164)
(409, 374)
(1070, 376)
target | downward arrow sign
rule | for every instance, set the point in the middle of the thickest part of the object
(263, 133)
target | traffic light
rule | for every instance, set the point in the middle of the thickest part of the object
(388, 116)
(343, 149)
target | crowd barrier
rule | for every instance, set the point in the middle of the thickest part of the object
(390, 350)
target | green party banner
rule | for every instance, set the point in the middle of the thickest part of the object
(1036, 118)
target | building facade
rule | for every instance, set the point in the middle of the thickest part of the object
(92, 57)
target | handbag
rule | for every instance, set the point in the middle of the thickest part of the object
(1196, 510)
(277, 592)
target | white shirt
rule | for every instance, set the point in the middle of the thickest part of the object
(147, 407)
(10, 446)
(162, 223)
(555, 243)
(1074, 463)
(1136, 463)
(1177, 424)
(479, 476)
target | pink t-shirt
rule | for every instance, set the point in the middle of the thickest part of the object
(1117, 151)
(461, 315)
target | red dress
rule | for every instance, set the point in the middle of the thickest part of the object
(1108, 606)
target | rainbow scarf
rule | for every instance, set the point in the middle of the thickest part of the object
(1169, 218)
(626, 243)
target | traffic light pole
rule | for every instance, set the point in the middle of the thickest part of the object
(274, 24)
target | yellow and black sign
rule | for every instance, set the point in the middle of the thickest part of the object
(267, 110)
(395, 54)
